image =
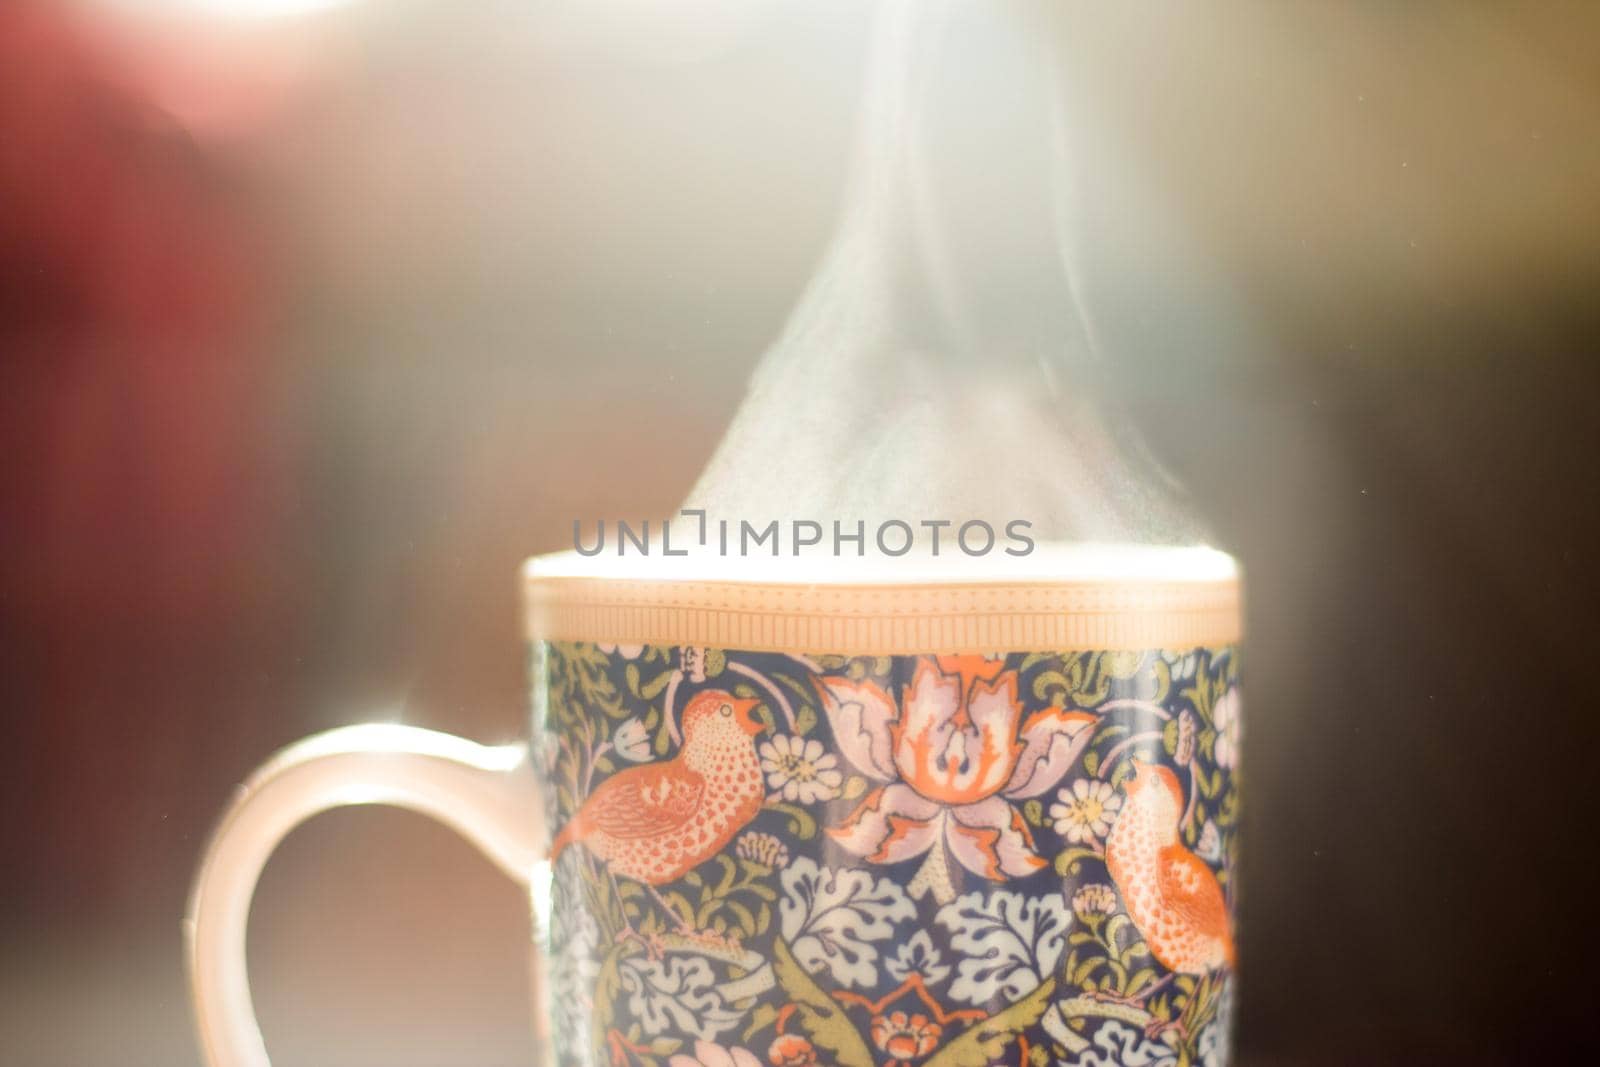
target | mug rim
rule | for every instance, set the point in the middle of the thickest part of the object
(1086, 597)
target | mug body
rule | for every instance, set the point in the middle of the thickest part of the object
(899, 823)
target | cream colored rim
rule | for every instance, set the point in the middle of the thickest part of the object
(891, 618)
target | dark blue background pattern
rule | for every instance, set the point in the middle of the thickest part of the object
(818, 955)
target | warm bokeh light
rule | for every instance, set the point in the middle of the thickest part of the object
(242, 9)
(314, 326)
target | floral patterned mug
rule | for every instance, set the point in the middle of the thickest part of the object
(922, 819)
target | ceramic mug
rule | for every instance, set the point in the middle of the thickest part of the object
(922, 819)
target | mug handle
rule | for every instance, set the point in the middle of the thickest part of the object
(489, 795)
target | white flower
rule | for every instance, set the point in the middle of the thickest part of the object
(708, 1055)
(1096, 898)
(834, 919)
(917, 956)
(1005, 944)
(800, 769)
(676, 993)
(625, 651)
(1230, 728)
(631, 741)
(762, 848)
(1209, 847)
(1117, 1044)
(1085, 811)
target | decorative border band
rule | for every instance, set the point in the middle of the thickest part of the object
(885, 619)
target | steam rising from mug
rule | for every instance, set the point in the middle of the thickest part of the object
(936, 366)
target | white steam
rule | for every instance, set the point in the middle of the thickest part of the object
(938, 365)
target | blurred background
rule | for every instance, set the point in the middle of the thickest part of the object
(317, 317)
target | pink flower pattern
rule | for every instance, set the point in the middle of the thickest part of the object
(947, 764)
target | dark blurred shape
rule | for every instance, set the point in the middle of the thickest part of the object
(148, 595)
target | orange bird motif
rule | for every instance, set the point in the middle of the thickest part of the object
(1173, 898)
(655, 822)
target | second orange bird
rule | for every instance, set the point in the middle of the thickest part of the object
(1173, 898)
